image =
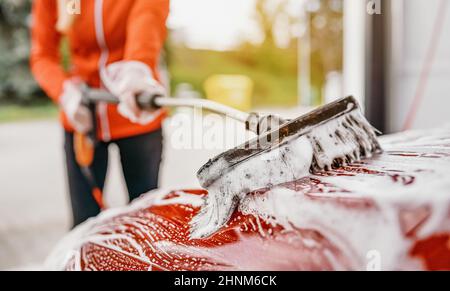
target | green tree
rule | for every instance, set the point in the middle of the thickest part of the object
(324, 20)
(16, 82)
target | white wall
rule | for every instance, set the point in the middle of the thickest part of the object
(412, 32)
(354, 70)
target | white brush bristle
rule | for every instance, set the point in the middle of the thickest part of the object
(334, 142)
(343, 140)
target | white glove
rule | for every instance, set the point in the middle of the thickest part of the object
(126, 80)
(78, 115)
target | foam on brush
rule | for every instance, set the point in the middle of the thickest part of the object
(289, 162)
(334, 142)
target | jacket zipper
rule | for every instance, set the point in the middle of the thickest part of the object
(102, 108)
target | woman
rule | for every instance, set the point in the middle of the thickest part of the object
(114, 45)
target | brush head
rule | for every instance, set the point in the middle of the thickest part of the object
(331, 136)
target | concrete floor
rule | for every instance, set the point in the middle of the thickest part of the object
(34, 209)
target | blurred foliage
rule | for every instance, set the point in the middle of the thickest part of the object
(275, 81)
(273, 69)
(326, 43)
(326, 23)
(16, 82)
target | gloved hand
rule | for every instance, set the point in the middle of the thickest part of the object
(128, 79)
(78, 115)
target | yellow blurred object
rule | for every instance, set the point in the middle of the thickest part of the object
(231, 90)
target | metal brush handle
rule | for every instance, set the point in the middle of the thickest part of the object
(147, 101)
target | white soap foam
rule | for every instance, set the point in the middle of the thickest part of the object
(357, 232)
(342, 138)
(88, 232)
(287, 163)
(354, 231)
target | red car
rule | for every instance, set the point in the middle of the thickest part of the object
(391, 212)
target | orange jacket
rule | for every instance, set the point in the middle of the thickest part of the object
(105, 32)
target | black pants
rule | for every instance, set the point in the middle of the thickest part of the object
(140, 157)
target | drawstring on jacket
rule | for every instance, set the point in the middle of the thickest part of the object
(67, 12)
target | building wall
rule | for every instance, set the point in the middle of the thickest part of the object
(412, 27)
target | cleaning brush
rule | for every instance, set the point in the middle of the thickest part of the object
(285, 150)
(329, 137)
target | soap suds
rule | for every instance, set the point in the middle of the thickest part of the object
(357, 212)
(343, 139)
(287, 163)
(88, 232)
(379, 227)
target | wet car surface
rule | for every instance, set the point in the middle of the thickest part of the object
(390, 212)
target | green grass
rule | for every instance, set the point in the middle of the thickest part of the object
(14, 113)
(273, 73)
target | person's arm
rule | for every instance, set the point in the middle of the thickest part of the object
(45, 57)
(137, 72)
(146, 32)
